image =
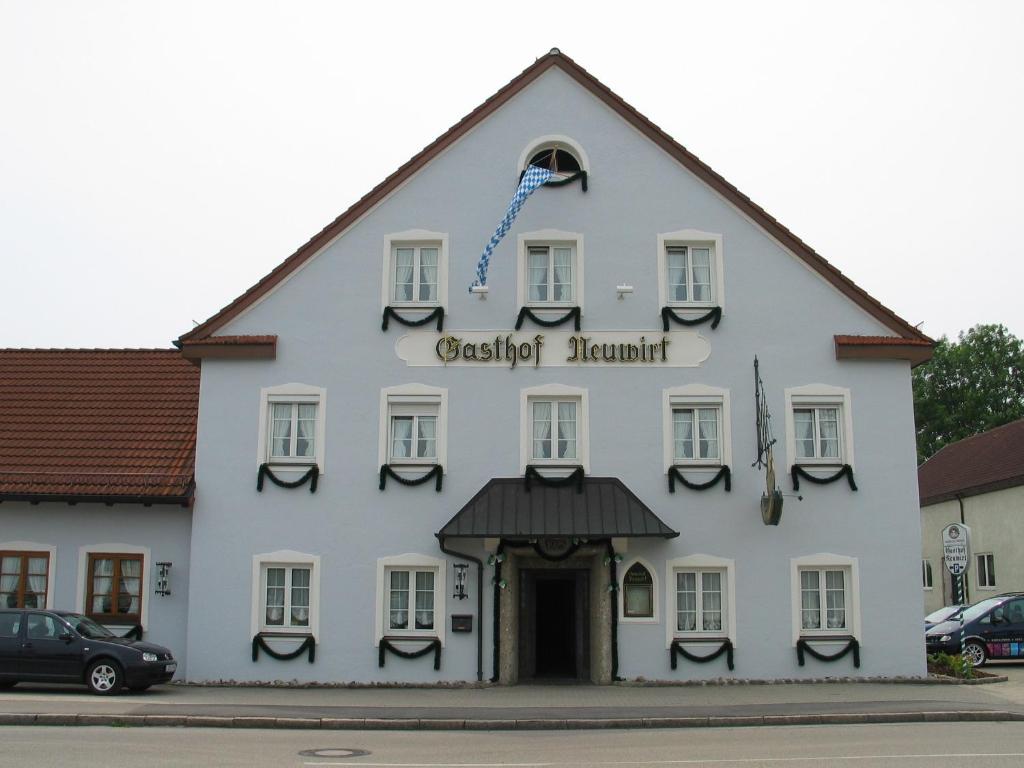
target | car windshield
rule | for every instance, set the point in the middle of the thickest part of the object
(978, 610)
(86, 627)
(942, 614)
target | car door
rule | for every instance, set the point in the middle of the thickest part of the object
(10, 642)
(1005, 638)
(46, 654)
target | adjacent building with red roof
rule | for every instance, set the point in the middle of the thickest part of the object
(978, 481)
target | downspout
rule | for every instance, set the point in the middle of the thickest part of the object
(479, 603)
(963, 521)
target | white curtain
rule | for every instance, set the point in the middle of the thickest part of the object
(275, 597)
(300, 597)
(305, 431)
(129, 594)
(803, 424)
(567, 430)
(708, 433)
(35, 592)
(403, 274)
(102, 578)
(563, 274)
(399, 600)
(426, 427)
(682, 421)
(424, 600)
(281, 434)
(711, 601)
(428, 274)
(537, 266)
(828, 425)
(810, 600)
(401, 437)
(701, 274)
(542, 430)
(686, 602)
(676, 260)
(835, 600)
(10, 573)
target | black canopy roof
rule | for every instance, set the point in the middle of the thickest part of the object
(601, 508)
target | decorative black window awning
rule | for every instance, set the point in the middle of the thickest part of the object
(605, 508)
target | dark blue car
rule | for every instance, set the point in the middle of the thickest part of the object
(992, 629)
(63, 647)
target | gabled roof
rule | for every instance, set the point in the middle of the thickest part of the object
(690, 161)
(602, 507)
(97, 425)
(979, 464)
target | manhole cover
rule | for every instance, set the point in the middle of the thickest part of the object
(335, 752)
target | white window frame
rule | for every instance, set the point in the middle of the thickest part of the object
(286, 558)
(696, 396)
(114, 549)
(820, 396)
(551, 238)
(421, 398)
(554, 392)
(410, 562)
(927, 575)
(692, 238)
(553, 141)
(51, 567)
(699, 563)
(415, 238)
(989, 583)
(655, 601)
(820, 562)
(298, 393)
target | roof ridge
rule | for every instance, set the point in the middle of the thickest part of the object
(653, 132)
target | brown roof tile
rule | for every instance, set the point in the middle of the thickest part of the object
(979, 464)
(116, 424)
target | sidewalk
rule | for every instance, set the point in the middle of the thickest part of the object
(521, 707)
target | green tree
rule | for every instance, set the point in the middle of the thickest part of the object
(969, 386)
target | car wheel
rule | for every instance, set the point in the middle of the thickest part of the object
(104, 677)
(975, 654)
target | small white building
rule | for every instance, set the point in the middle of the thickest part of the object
(977, 481)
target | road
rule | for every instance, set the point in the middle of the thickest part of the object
(957, 745)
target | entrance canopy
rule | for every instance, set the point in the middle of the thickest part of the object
(602, 507)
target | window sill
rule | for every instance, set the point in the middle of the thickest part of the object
(418, 635)
(297, 632)
(709, 637)
(415, 305)
(823, 636)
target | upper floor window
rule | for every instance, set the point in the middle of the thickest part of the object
(554, 426)
(413, 425)
(560, 154)
(690, 269)
(819, 425)
(550, 269)
(696, 426)
(292, 425)
(415, 269)
(24, 579)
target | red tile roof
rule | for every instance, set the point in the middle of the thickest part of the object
(979, 464)
(99, 424)
(872, 341)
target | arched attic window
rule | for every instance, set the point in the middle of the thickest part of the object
(564, 158)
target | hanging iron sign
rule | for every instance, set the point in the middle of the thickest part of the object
(956, 548)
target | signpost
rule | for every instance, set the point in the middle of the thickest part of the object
(956, 554)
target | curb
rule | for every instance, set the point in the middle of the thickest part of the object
(532, 724)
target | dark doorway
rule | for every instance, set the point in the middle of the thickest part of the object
(553, 625)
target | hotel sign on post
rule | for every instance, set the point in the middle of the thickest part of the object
(956, 548)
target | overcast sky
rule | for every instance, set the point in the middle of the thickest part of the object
(157, 159)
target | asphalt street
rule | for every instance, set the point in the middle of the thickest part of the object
(957, 745)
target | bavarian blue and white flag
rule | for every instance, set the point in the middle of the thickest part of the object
(533, 177)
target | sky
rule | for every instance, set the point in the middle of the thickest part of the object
(158, 158)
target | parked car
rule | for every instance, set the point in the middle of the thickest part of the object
(64, 647)
(946, 613)
(992, 629)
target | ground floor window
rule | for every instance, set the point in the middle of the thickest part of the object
(823, 599)
(986, 571)
(114, 588)
(410, 597)
(410, 600)
(23, 579)
(638, 593)
(286, 591)
(699, 601)
(926, 573)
